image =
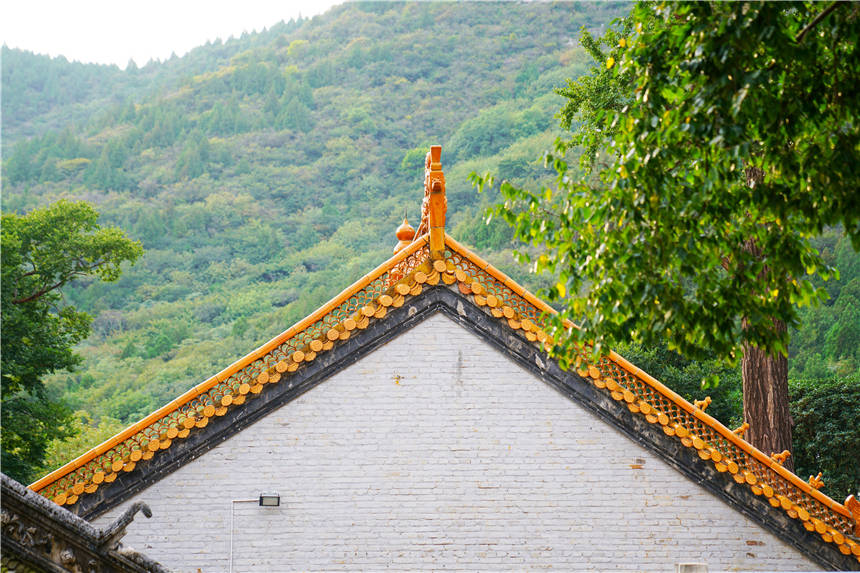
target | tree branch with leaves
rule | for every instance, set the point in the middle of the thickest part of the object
(669, 241)
(43, 251)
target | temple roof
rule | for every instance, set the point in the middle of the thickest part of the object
(40, 536)
(621, 393)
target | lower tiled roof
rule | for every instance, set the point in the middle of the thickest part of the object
(38, 536)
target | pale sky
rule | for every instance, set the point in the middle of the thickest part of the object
(114, 31)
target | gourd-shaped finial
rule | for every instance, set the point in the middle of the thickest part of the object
(405, 233)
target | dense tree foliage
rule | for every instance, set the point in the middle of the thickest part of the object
(827, 343)
(42, 252)
(731, 140)
(826, 415)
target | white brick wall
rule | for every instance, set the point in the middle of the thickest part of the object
(437, 452)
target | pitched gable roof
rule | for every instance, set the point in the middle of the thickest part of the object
(436, 273)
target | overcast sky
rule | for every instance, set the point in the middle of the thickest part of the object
(114, 31)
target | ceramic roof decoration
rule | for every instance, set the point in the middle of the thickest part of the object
(405, 235)
(433, 260)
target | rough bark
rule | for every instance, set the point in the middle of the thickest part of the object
(765, 387)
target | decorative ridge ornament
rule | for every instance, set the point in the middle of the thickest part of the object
(781, 457)
(405, 234)
(435, 203)
(854, 507)
(817, 482)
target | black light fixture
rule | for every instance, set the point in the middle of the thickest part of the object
(270, 499)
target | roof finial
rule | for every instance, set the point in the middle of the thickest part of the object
(405, 233)
(435, 202)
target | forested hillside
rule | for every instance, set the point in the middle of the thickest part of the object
(266, 173)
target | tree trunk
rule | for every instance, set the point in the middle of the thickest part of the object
(765, 386)
(765, 379)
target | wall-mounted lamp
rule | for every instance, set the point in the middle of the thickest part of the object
(270, 499)
(265, 500)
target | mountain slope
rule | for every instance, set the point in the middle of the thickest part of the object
(266, 173)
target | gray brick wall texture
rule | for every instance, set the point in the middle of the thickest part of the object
(437, 452)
